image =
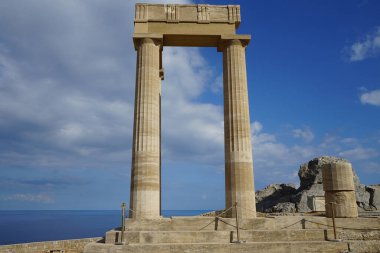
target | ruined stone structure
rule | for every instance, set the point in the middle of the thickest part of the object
(338, 184)
(310, 195)
(156, 26)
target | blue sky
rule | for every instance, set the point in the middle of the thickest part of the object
(67, 71)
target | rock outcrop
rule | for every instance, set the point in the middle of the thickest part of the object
(374, 196)
(286, 198)
(273, 195)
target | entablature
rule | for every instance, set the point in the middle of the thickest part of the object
(187, 13)
(194, 25)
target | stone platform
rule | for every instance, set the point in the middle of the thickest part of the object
(272, 234)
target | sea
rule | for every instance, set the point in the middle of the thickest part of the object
(51, 225)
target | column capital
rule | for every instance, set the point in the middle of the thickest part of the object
(230, 38)
(139, 37)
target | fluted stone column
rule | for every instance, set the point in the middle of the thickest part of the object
(237, 132)
(145, 175)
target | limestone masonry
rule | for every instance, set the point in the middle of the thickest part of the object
(338, 183)
(157, 26)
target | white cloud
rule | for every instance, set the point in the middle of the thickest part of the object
(217, 85)
(371, 97)
(275, 161)
(191, 130)
(40, 198)
(367, 48)
(68, 93)
(65, 93)
(351, 141)
(306, 134)
(372, 167)
(358, 153)
(256, 128)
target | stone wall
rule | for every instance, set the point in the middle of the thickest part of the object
(64, 246)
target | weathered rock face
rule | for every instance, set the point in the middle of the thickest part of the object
(282, 197)
(272, 195)
(301, 198)
(374, 198)
(311, 173)
(286, 207)
(362, 197)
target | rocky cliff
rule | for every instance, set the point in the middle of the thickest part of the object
(287, 198)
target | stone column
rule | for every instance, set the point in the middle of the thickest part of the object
(145, 174)
(237, 131)
(338, 184)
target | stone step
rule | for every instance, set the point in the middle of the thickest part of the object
(257, 247)
(196, 223)
(157, 237)
(226, 224)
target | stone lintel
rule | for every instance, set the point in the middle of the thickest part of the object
(187, 13)
(225, 38)
(199, 40)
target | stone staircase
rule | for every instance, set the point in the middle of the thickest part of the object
(205, 234)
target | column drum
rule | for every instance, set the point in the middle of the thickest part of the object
(338, 184)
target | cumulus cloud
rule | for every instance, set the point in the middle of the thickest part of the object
(274, 159)
(371, 97)
(67, 81)
(217, 85)
(305, 133)
(256, 127)
(366, 48)
(64, 80)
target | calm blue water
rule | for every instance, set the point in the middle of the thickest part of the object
(34, 226)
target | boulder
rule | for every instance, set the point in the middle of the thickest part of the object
(301, 197)
(374, 198)
(272, 195)
(363, 195)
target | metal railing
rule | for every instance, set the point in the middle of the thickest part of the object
(218, 217)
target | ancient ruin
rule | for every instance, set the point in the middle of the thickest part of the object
(310, 195)
(338, 183)
(157, 26)
(236, 228)
(304, 223)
